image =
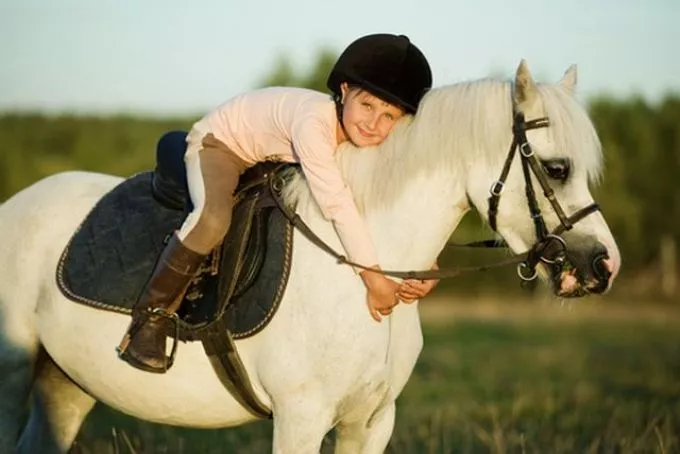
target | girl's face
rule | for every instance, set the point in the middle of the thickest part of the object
(367, 119)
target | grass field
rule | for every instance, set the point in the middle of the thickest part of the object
(513, 378)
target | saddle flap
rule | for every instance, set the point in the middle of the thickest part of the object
(212, 288)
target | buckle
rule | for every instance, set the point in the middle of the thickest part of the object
(559, 258)
(522, 149)
(497, 188)
(523, 265)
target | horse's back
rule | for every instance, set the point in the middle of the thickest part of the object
(63, 185)
(59, 199)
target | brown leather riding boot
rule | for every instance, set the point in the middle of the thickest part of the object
(143, 345)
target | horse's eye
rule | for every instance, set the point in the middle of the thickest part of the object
(557, 169)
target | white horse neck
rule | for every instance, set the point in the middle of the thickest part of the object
(411, 189)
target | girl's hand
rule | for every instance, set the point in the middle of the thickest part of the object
(382, 294)
(414, 289)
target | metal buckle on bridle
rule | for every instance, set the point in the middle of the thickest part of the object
(525, 265)
(496, 188)
(525, 146)
(560, 256)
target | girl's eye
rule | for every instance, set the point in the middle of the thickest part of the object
(367, 105)
(557, 169)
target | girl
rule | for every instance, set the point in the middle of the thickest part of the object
(376, 80)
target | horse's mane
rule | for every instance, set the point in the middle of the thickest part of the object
(455, 123)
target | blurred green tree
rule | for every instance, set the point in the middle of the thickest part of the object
(284, 74)
(640, 192)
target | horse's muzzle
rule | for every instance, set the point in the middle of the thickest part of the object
(601, 273)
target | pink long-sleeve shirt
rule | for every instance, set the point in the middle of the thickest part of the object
(295, 125)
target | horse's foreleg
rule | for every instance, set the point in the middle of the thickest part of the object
(299, 428)
(16, 370)
(19, 348)
(58, 409)
(366, 437)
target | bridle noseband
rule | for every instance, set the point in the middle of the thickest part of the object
(549, 248)
(544, 240)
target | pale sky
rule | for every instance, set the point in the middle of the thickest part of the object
(173, 58)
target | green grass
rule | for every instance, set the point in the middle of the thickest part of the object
(490, 386)
(525, 384)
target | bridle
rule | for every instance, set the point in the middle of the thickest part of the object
(545, 241)
(549, 248)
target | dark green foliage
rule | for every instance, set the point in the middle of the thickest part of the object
(640, 192)
(33, 146)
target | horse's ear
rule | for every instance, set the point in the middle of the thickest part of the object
(525, 87)
(569, 79)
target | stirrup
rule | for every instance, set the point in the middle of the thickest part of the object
(130, 333)
(174, 318)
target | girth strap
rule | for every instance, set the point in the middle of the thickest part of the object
(221, 351)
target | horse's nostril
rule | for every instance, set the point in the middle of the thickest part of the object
(600, 268)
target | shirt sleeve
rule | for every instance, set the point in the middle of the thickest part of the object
(314, 145)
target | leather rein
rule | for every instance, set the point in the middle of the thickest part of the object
(549, 248)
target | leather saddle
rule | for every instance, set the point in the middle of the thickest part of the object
(240, 284)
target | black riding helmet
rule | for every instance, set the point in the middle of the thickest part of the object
(388, 66)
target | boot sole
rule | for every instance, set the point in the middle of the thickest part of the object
(136, 363)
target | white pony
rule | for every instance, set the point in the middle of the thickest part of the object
(323, 362)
